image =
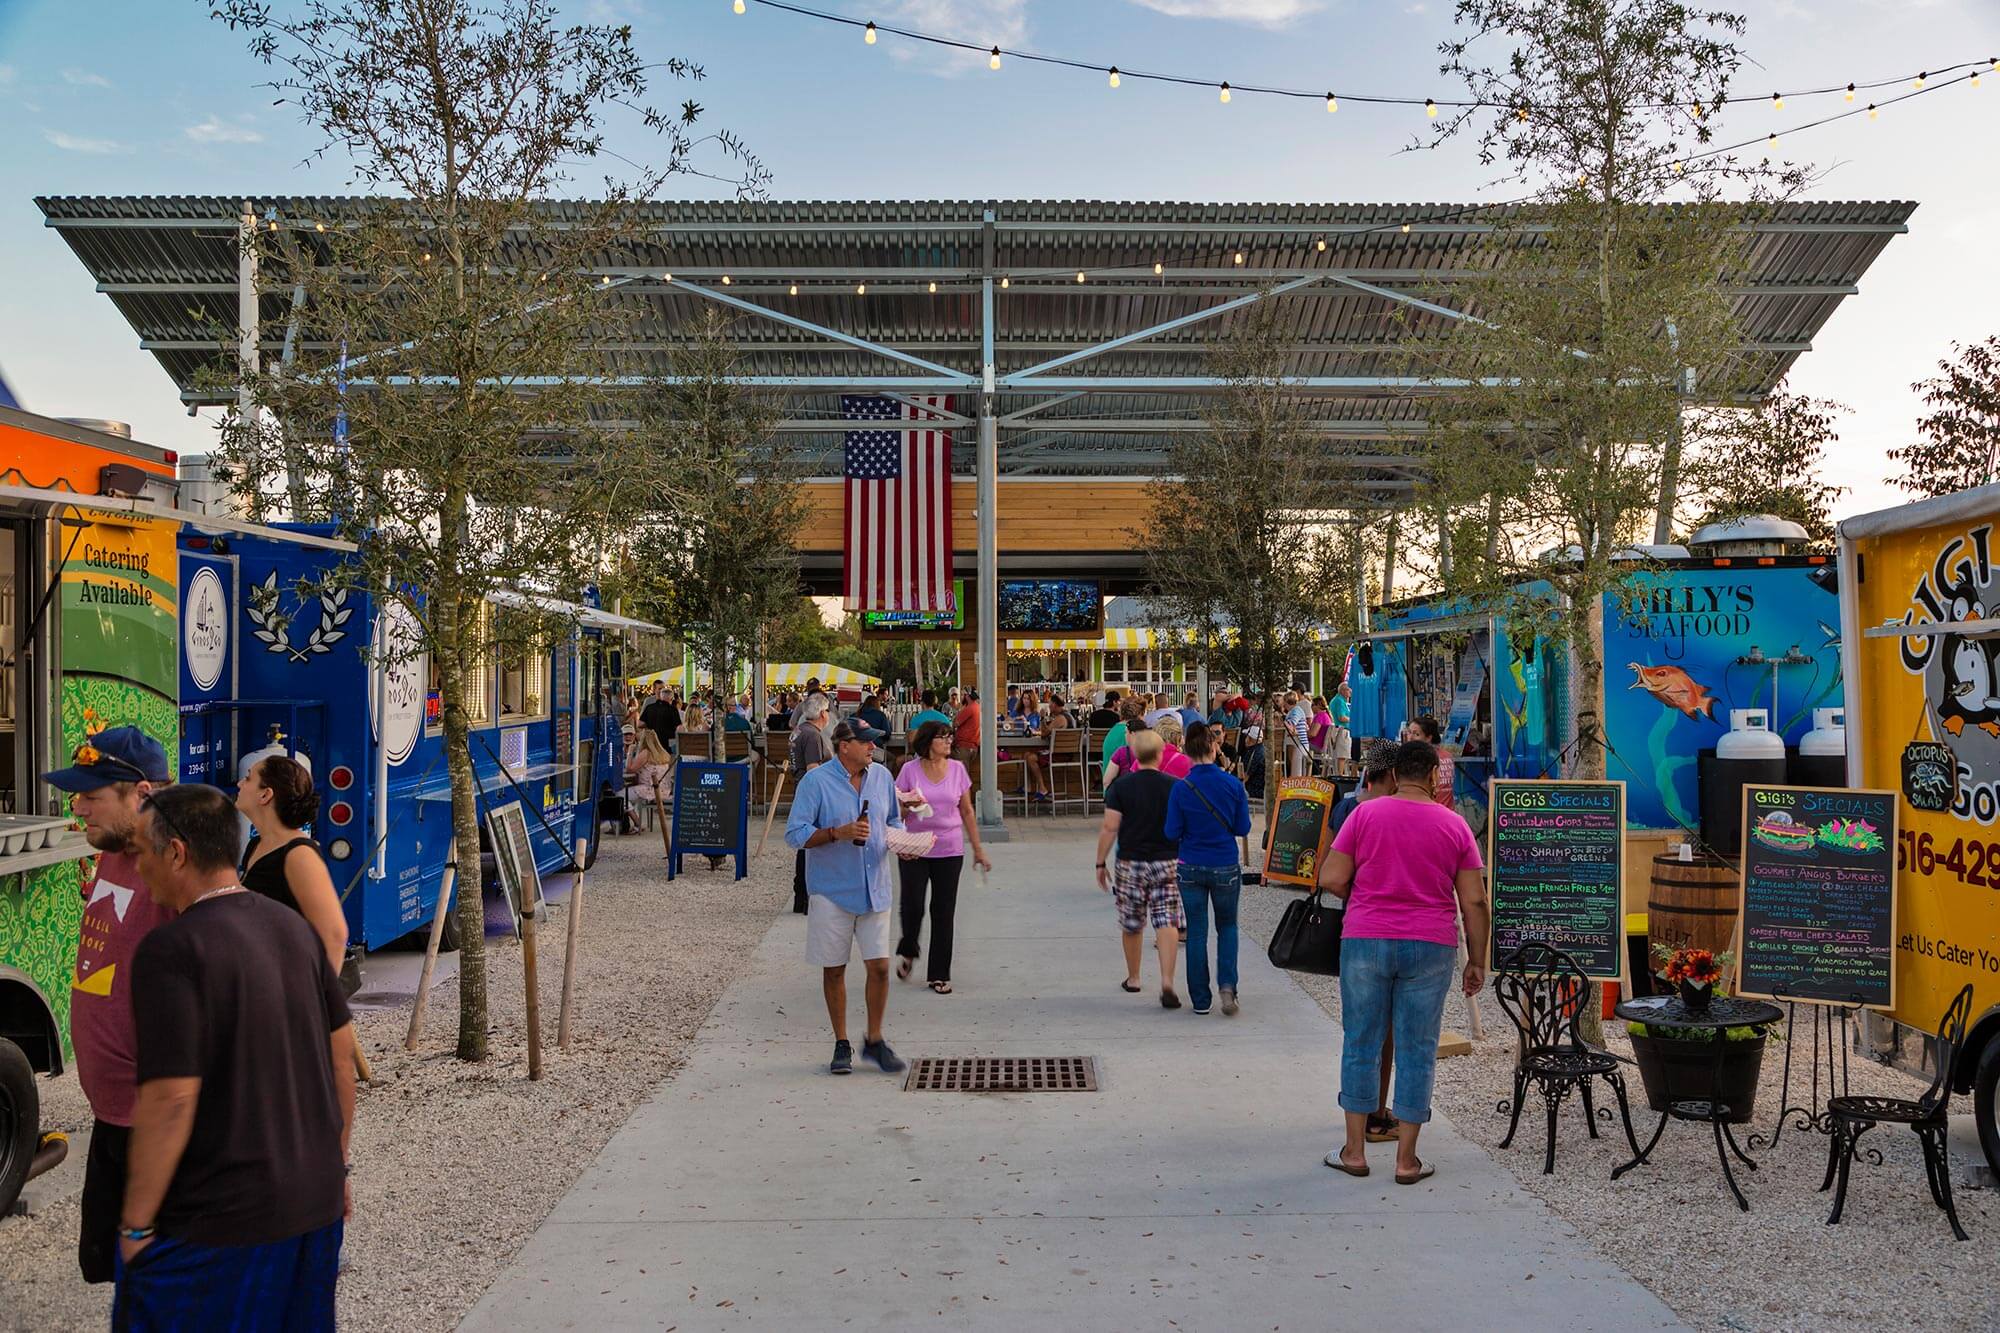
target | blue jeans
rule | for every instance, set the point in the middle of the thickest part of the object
(1380, 981)
(285, 1286)
(1201, 888)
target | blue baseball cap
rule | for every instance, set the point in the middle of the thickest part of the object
(116, 754)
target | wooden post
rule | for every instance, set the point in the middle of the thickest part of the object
(534, 990)
(361, 1069)
(431, 949)
(772, 813)
(569, 947)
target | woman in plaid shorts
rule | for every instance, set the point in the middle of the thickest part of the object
(1147, 886)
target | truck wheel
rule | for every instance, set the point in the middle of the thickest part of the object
(20, 1122)
(1986, 1102)
(448, 938)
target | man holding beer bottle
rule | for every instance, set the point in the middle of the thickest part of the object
(840, 815)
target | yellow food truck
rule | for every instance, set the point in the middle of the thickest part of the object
(1920, 647)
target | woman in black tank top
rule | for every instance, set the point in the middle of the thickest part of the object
(284, 865)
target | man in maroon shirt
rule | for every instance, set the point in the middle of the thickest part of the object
(108, 778)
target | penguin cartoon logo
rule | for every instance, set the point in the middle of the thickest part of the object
(1971, 694)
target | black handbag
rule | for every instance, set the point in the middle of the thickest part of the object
(1308, 936)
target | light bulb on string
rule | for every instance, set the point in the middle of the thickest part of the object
(1079, 275)
(1322, 245)
(1698, 111)
(1114, 76)
(1777, 101)
(1239, 257)
(861, 289)
(795, 289)
(321, 226)
(725, 279)
(1225, 92)
(1974, 80)
(738, 6)
(1159, 269)
(868, 34)
(1772, 142)
(1430, 108)
(1850, 92)
(1003, 284)
(993, 61)
(1521, 114)
(1332, 104)
(1406, 229)
(667, 276)
(1918, 82)
(933, 287)
(1872, 112)
(1680, 167)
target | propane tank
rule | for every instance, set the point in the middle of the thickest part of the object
(1822, 757)
(1750, 736)
(274, 744)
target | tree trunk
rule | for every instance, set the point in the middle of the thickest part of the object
(471, 905)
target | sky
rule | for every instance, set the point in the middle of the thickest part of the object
(153, 97)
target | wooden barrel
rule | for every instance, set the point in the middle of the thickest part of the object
(1692, 902)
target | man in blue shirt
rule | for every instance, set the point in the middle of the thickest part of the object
(840, 816)
(929, 713)
(1207, 811)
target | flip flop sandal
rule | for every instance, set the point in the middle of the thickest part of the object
(1333, 1160)
(1424, 1172)
(941, 987)
(903, 969)
(1129, 988)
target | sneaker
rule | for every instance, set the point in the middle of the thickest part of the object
(1229, 1000)
(843, 1059)
(879, 1052)
(1201, 1009)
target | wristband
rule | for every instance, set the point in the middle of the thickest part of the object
(1100, 865)
(136, 1234)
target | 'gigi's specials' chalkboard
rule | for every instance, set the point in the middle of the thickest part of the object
(1556, 854)
(1819, 895)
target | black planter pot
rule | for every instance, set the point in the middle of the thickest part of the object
(1684, 1071)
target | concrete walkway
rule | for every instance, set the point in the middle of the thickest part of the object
(1187, 1193)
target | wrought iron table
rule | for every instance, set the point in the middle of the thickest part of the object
(1721, 1013)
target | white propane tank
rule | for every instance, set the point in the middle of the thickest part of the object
(1829, 733)
(1750, 737)
(274, 744)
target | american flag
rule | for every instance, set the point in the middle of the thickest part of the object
(898, 506)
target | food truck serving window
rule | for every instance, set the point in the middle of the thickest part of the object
(524, 681)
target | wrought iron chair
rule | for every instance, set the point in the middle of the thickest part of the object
(1926, 1116)
(1543, 990)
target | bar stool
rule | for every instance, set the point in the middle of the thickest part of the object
(1067, 751)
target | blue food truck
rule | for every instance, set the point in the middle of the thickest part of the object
(271, 658)
(1705, 635)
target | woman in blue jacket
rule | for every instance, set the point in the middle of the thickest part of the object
(1207, 812)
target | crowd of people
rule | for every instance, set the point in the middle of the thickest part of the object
(213, 1042)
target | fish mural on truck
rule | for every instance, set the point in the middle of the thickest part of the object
(1675, 689)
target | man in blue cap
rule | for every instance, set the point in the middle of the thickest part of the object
(109, 777)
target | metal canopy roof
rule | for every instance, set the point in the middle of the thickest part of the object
(1133, 344)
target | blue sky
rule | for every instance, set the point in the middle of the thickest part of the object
(131, 97)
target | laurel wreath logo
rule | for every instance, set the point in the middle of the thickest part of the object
(274, 627)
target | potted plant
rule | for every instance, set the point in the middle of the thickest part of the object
(1679, 1065)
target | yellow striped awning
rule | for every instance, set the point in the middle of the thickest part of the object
(1113, 639)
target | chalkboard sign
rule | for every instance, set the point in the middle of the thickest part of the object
(711, 813)
(1818, 921)
(1556, 855)
(1298, 831)
(514, 857)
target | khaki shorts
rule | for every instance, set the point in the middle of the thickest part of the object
(832, 932)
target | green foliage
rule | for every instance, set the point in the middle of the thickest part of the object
(1960, 437)
(1766, 459)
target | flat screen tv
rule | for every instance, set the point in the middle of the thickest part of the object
(919, 622)
(1051, 606)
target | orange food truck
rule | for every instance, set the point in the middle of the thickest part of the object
(1920, 618)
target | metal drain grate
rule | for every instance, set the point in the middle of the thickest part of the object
(1030, 1073)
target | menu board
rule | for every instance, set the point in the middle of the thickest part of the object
(1818, 921)
(1556, 855)
(711, 813)
(1298, 831)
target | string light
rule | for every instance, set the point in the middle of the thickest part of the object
(1698, 112)
(1114, 76)
(795, 289)
(738, 6)
(1850, 92)
(1872, 112)
(321, 226)
(1680, 168)
(1239, 256)
(1918, 82)
(1521, 114)
(1079, 275)
(861, 289)
(1406, 229)
(1777, 102)
(993, 61)
(1773, 141)
(725, 279)
(1430, 108)
(868, 35)
(668, 276)
(1974, 80)
(1003, 283)
(1225, 92)
(1332, 104)
(1159, 269)
(933, 288)
(1322, 245)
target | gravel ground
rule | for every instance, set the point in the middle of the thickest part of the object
(1890, 1264)
(456, 1164)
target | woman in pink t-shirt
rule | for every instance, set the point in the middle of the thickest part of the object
(932, 778)
(1407, 867)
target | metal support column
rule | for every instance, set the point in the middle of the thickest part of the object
(989, 614)
(248, 334)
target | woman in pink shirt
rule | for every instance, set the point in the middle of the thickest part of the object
(933, 779)
(1172, 762)
(1407, 867)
